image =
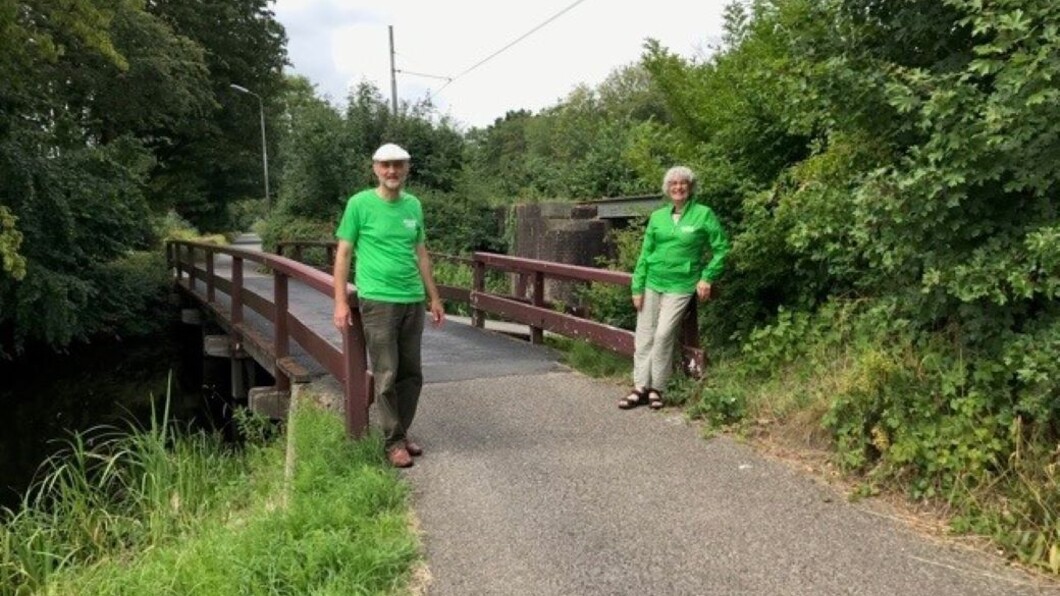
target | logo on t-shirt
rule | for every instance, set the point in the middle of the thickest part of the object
(410, 224)
(688, 229)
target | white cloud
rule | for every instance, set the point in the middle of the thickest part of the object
(338, 43)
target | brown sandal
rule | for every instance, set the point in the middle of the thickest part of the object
(634, 399)
(655, 400)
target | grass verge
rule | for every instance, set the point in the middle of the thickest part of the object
(589, 359)
(179, 513)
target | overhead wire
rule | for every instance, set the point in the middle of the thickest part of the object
(517, 40)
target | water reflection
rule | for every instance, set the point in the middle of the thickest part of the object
(44, 395)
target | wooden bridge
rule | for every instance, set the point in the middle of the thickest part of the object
(277, 310)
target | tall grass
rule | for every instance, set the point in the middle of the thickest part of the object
(591, 360)
(162, 510)
(111, 491)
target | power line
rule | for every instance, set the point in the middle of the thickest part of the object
(520, 38)
(420, 74)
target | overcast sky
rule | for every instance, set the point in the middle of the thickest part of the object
(338, 43)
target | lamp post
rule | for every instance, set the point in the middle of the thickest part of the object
(264, 150)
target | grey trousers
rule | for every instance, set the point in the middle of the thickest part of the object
(657, 324)
(394, 333)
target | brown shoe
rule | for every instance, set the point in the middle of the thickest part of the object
(399, 457)
(413, 448)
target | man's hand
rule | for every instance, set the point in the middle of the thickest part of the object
(703, 291)
(341, 274)
(437, 312)
(638, 301)
(342, 318)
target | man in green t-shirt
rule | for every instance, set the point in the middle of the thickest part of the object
(384, 226)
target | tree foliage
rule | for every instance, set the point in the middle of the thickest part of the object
(327, 158)
(108, 109)
(588, 146)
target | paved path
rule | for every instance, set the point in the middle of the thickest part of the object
(537, 484)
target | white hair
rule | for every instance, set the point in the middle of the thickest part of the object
(679, 173)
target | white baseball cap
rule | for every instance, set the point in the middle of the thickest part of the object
(390, 152)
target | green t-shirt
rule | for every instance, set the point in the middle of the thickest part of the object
(673, 256)
(384, 235)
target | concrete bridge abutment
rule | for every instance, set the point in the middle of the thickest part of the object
(240, 385)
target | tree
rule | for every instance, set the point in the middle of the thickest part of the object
(216, 159)
(100, 102)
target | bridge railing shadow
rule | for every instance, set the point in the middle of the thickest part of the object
(535, 312)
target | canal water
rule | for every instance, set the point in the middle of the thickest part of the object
(46, 396)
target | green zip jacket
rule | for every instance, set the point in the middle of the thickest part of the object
(673, 256)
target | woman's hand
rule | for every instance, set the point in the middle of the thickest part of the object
(638, 301)
(703, 291)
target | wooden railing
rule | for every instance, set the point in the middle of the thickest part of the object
(195, 263)
(295, 250)
(539, 315)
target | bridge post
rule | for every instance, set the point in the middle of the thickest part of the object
(283, 381)
(478, 285)
(357, 387)
(209, 275)
(693, 365)
(191, 267)
(537, 334)
(237, 290)
(177, 250)
(238, 369)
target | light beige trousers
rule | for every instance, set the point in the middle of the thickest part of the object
(657, 324)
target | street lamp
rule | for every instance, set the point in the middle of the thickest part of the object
(264, 150)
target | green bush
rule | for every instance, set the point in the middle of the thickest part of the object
(279, 228)
(460, 224)
(608, 303)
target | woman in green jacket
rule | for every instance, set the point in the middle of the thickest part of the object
(672, 267)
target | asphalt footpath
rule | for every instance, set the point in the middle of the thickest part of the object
(534, 482)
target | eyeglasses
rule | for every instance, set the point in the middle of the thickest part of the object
(396, 164)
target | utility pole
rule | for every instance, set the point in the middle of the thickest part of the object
(393, 73)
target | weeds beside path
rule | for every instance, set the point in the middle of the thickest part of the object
(213, 521)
